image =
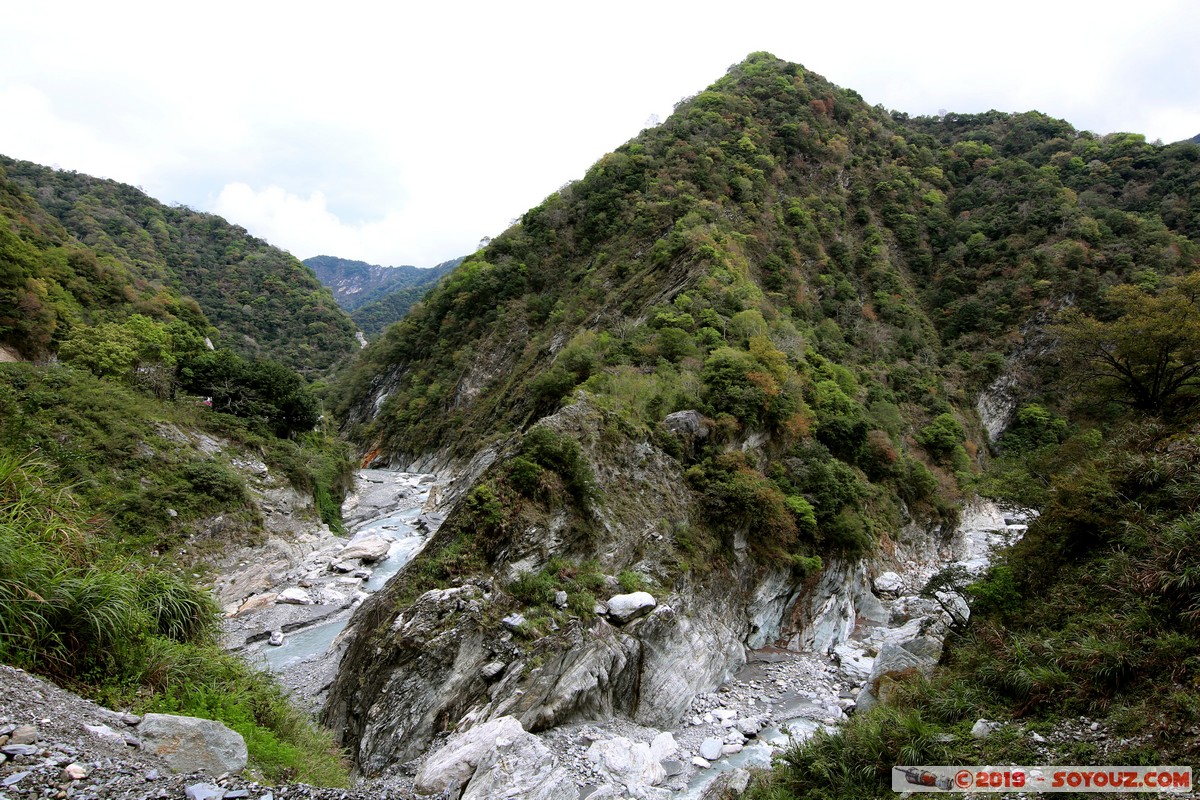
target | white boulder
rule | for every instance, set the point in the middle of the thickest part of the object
(625, 607)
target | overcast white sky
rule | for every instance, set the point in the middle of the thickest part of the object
(403, 133)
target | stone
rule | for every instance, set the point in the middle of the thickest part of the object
(276, 639)
(673, 767)
(749, 727)
(16, 777)
(663, 746)
(731, 749)
(255, 602)
(24, 734)
(513, 622)
(887, 583)
(74, 772)
(203, 791)
(560, 599)
(104, 732)
(294, 595)
(495, 759)
(928, 648)
(702, 763)
(189, 744)
(710, 749)
(522, 769)
(455, 762)
(739, 781)
(623, 608)
(492, 669)
(956, 606)
(983, 728)
(328, 596)
(368, 549)
(628, 762)
(690, 424)
(893, 663)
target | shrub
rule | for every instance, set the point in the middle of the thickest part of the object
(802, 510)
(525, 476)
(941, 436)
(561, 454)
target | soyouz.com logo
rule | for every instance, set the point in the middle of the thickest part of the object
(1042, 779)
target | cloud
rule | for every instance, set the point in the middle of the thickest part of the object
(404, 133)
(32, 129)
(305, 226)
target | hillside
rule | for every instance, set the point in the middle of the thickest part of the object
(106, 244)
(376, 296)
(134, 453)
(745, 351)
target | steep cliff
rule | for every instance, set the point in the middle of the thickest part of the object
(499, 642)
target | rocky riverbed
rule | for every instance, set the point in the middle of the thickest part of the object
(288, 611)
(861, 622)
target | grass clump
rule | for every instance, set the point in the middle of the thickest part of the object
(581, 582)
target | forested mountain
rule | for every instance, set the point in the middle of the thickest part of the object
(88, 244)
(887, 246)
(789, 302)
(376, 296)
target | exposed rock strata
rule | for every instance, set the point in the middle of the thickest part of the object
(414, 671)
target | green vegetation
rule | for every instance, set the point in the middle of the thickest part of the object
(267, 393)
(1148, 356)
(152, 468)
(1094, 612)
(829, 286)
(535, 591)
(130, 634)
(91, 251)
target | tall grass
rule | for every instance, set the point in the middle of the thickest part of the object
(60, 611)
(130, 635)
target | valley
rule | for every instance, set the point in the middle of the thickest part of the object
(797, 440)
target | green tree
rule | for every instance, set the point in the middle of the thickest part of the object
(263, 391)
(1148, 356)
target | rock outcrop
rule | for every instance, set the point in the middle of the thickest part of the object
(414, 669)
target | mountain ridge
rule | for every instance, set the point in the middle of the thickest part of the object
(355, 283)
(254, 298)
